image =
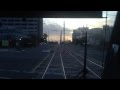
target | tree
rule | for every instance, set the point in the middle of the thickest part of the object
(44, 38)
(45, 35)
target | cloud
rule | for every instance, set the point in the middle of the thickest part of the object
(53, 26)
(54, 30)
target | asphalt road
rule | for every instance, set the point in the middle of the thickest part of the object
(19, 63)
(47, 62)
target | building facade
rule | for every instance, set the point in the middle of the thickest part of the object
(79, 33)
(107, 32)
(14, 29)
(23, 26)
(94, 35)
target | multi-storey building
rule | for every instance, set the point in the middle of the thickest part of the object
(79, 33)
(21, 26)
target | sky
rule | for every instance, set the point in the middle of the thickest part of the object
(74, 23)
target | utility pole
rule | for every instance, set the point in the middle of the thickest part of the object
(104, 44)
(64, 30)
(48, 35)
(60, 36)
(84, 70)
(85, 57)
(105, 39)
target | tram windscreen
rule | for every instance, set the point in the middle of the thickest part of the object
(54, 48)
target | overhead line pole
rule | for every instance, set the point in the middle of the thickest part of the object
(64, 31)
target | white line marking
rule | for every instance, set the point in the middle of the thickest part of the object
(40, 63)
(95, 63)
(88, 59)
(48, 64)
(83, 64)
(62, 65)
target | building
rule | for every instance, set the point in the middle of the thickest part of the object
(94, 35)
(24, 26)
(79, 34)
(18, 27)
(107, 32)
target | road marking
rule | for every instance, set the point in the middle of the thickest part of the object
(87, 59)
(40, 63)
(47, 51)
(95, 63)
(48, 64)
(87, 67)
(62, 65)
